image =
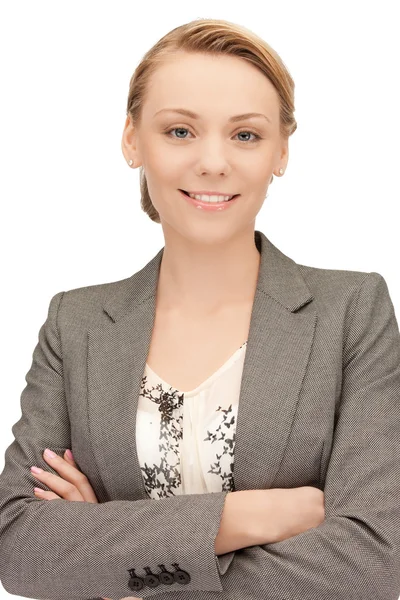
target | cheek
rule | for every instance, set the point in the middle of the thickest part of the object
(166, 167)
(256, 177)
(260, 169)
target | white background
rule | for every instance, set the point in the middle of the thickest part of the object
(65, 70)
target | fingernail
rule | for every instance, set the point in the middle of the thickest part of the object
(49, 453)
(36, 470)
(37, 490)
(69, 453)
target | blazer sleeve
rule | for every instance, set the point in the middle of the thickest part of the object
(64, 549)
(354, 554)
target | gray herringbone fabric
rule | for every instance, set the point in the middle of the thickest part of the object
(319, 406)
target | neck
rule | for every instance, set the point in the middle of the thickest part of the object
(204, 277)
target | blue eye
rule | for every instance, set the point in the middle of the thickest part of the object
(257, 137)
(176, 129)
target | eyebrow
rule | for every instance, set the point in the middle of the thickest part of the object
(193, 115)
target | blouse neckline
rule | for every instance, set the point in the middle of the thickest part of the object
(209, 379)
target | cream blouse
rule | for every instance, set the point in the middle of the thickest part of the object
(185, 441)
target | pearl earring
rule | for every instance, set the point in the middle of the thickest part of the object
(281, 171)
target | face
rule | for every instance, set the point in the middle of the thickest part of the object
(210, 152)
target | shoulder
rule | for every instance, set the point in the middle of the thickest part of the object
(340, 288)
(333, 281)
(343, 293)
(85, 305)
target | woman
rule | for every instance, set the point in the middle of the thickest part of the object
(223, 380)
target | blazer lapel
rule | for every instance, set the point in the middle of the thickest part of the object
(278, 349)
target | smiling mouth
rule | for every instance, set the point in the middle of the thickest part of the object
(233, 197)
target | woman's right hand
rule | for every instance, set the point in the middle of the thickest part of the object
(297, 510)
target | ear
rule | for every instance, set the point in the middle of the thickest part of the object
(129, 143)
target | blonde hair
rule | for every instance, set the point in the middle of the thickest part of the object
(211, 36)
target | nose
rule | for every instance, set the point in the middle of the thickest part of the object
(213, 157)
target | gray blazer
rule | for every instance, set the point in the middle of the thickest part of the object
(319, 406)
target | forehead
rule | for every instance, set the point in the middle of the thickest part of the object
(209, 84)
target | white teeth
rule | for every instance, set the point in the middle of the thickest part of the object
(206, 198)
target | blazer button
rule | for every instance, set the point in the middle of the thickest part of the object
(135, 583)
(165, 576)
(180, 576)
(151, 579)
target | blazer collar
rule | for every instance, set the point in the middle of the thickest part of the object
(279, 277)
(279, 344)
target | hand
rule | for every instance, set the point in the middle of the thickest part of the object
(71, 485)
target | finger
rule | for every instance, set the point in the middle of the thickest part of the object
(64, 489)
(45, 495)
(73, 475)
(70, 460)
